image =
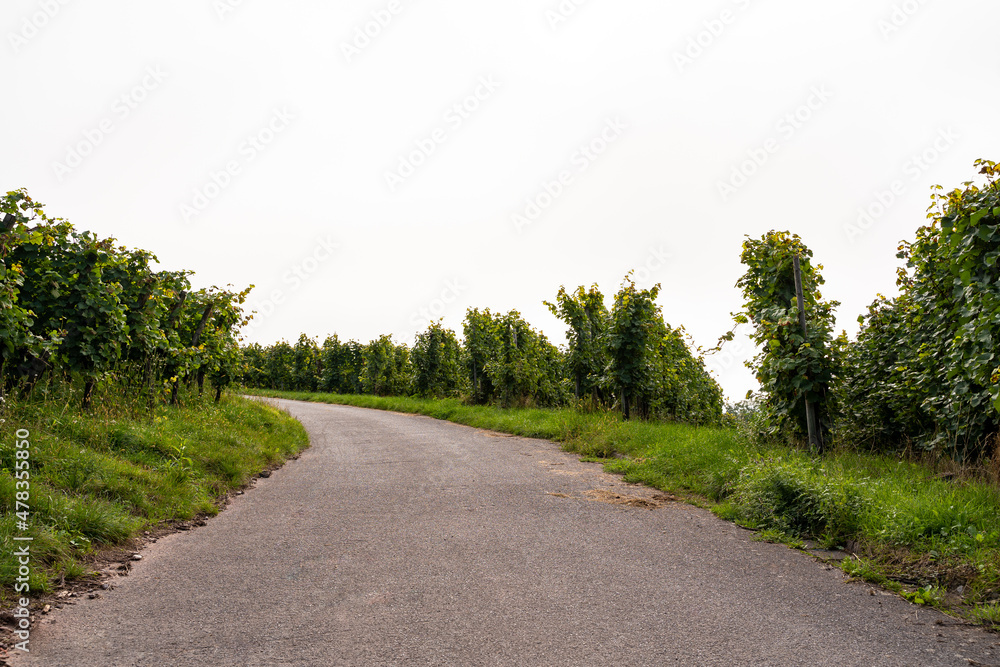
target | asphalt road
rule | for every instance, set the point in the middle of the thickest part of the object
(401, 540)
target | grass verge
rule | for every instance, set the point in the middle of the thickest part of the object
(935, 541)
(97, 480)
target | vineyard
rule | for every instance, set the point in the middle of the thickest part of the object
(626, 358)
(106, 427)
(84, 311)
(923, 375)
(105, 361)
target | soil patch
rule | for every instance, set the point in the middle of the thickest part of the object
(610, 497)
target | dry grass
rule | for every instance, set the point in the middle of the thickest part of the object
(606, 496)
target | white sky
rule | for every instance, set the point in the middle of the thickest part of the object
(117, 112)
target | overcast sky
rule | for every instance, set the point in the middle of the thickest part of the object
(373, 165)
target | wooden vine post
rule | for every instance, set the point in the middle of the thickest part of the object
(171, 320)
(197, 340)
(814, 440)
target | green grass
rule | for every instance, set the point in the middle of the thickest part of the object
(913, 532)
(98, 479)
(987, 614)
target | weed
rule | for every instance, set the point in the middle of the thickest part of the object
(775, 536)
(930, 595)
(180, 466)
(987, 614)
(867, 570)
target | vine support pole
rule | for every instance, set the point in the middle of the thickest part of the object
(814, 440)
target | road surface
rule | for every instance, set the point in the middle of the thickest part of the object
(401, 540)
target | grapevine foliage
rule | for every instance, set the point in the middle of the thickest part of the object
(925, 370)
(437, 363)
(632, 338)
(502, 360)
(387, 369)
(510, 363)
(791, 367)
(75, 305)
(587, 357)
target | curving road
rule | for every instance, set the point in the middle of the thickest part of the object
(401, 540)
